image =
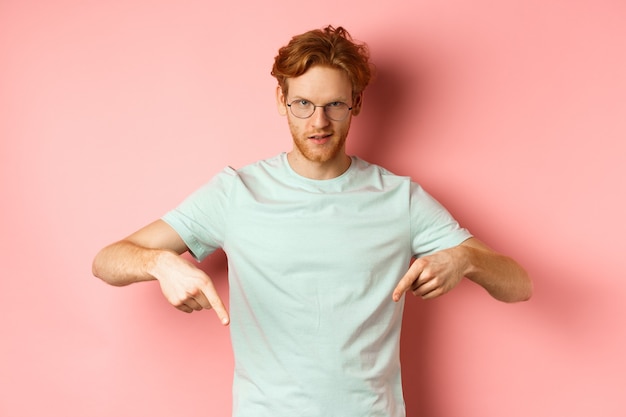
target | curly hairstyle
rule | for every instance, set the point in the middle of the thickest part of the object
(332, 47)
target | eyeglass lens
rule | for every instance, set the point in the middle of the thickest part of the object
(304, 109)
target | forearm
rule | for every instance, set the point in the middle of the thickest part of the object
(124, 263)
(500, 275)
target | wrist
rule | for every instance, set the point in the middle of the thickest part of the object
(154, 261)
(468, 258)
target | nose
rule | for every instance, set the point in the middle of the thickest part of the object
(319, 118)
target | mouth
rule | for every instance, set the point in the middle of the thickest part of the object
(320, 139)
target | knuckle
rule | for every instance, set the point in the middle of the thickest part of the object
(192, 292)
(184, 308)
(420, 263)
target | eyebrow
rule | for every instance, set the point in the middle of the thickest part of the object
(336, 100)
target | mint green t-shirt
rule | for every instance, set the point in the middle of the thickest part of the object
(312, 266)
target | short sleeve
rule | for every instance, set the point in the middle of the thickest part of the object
(432, 227)
(201, 219)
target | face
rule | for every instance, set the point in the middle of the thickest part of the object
(319, 139)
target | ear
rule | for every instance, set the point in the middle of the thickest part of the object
(356, 105)
(280, 101)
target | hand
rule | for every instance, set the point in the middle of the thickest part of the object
(186, 287)
(434, 275)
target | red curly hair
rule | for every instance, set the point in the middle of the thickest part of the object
(331, 47)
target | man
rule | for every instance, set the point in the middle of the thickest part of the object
(319, 245)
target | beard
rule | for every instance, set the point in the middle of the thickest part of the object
(332, 149)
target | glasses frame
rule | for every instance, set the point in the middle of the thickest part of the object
(322, 106)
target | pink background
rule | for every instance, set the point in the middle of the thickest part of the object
(512, 113)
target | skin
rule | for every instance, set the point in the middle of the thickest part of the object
(319, 143)
(152, 253)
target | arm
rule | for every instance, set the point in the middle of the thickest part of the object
(436, 274)
(153, 253)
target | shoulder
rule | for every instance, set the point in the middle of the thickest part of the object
(228, 175)
(261, 166)
(364, 166)
(376, 174)
(264, 171)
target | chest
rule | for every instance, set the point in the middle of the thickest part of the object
(312, 231)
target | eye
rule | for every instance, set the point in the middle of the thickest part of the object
(334, 104)
(303, 103)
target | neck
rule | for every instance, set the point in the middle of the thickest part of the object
(315, 170)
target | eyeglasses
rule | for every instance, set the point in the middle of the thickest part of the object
(303, 109)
